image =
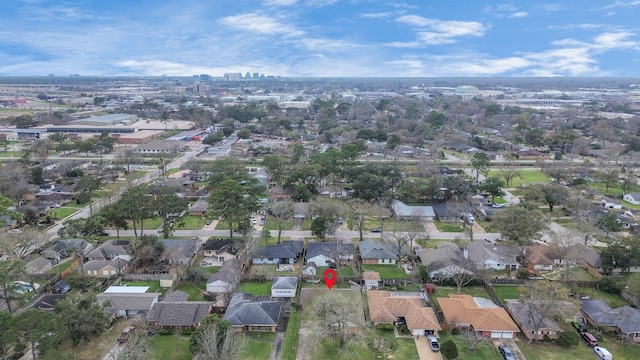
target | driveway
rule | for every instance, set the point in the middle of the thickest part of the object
(424, 350)
(512, 344)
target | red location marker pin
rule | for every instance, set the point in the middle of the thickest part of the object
(329, 277)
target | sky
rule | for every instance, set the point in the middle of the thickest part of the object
(321, 38)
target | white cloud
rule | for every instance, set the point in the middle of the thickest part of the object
(614, 40)
(435, 32)
(505, 10)
(519, 14)
(376, 15)
(260, 24)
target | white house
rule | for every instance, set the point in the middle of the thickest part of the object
(610, 203)
(324, 253)
(633, 198)
(284, 287)
(371, 280)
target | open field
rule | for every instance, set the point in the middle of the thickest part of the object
(527, 176)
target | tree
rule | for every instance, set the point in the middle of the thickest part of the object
(87, 185)
(609, 223)
(617, 255)
(11, 270)
(545, 300)
(480, 163)
(82, 316)
(493, 186)
(361, 210)
(19, 246)
(215, 339)
(320, 227)
(41, 329)
(7, 334)
(136, 205)
(472, 339)
(333, 314)
(568, 339)
(82, 227)
(510, 172)
(449, 349)
(399, 242)
(235, 201)
(520, 224)
(137, 348)
(282, 212)
(423, 273)
(36, 175)
(146, 250)
(169, 206)
(115, 215)
(552, 194)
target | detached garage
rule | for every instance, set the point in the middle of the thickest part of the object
(284, 287)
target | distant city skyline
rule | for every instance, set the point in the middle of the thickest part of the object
(321, 38)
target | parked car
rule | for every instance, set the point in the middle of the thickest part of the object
(376, 230)
(433, 343)
(602, 353)
(579, 325)
(590, 339)
(506, 352)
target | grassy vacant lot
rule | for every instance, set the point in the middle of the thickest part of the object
(192, 223)
(195, 291)
(387, 271)
(256, 288)
(258, 346)
(486, 351)
(329, 348)
(448, 227)
(290, 343)
(526, 177)
(62, 212)
(170, 347)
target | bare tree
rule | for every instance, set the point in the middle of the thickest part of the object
(399, 241)
(333, 314)
(216, 340)
(361, 209)
(282, 212)
(544, 300)
(472, 340)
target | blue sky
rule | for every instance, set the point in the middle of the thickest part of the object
(321, 38)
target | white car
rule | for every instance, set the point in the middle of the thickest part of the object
(602, 353)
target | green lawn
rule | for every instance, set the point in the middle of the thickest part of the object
(195, 291)
(149, 223)
(154, 285)
(486, 351)
(206, 270)
(192, 223)
(476, 291)
(389, 225)
(61, 212)
(506, 292)
(258, 346)
(64, 266)
(448, 227)
(527, 176)
(547, 351)
(387, 271)
(170, 347)
(344, 271)
(272, 224)
(612, 300)
(290, 343)
(256, 288)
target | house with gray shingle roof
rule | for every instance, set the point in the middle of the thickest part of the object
(111, 249)
(497, 257)
(377, 252)
(284, 287)
(248, 313)
(127, 304)
(404, 211)
(63, 248)
(180, 251)
(623, 320)
(324, 253)
(105, 268)
(285, 253)
(179, 313)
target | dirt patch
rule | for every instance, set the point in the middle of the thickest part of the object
(305, 342)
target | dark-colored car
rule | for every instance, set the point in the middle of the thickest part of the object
(506, 352)
(579, 325)
(376, 230)
(433, 343)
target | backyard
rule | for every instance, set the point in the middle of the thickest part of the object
(387, 271)
(475, 291)
(154, 285)
(507, 291)
(170, 347)
(256, 288)
(196, 292)
(258, 346)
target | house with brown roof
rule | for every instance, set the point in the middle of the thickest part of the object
(478, 314)
(391, 307)
(541, 257)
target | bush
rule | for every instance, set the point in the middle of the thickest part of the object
(568, 339)
(449, 349)
(186, 332)
(385, 327)
(165, 332)
(546, 338)
(610, 285)
(597, 333)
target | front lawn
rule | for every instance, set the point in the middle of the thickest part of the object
(191, 223)
(259, 346)
(448, 227)
(550, 351)
(387, 271)
(170, 347)
(62, 212)
(526, 177)
(486, 351)
(149, 224)
(256, 288)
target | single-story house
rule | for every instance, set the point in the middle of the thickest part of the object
(226, 279)
(488, 256)
(392, 308)
(64, 248)
(541, 257)
(371, 280)
(111, 249)
(199, 208)
(587, 256)
(324, 253)
(174, 311)
(446, 212)
(284, 287)
(533, 324)
(477, 314)
(611, 203)
(623, 320)
(38, 265)
(633, 198)
(445, 261)
(180, 251)
(403, 211)
(128, 304)
(285, 253)
(247, 312)
(374, 252)
(105, 268)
